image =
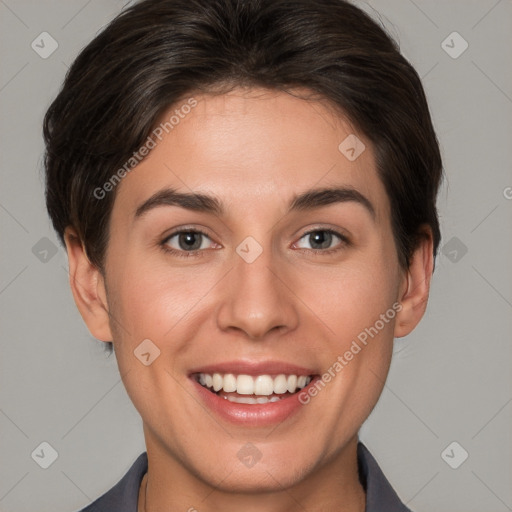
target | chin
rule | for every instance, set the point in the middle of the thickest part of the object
(241, 470)
(258, 479)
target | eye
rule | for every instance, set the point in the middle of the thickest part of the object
(192, 242)
(186, 241)
(321, 240)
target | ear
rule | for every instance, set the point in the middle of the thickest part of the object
(415, 286)
(88, 288)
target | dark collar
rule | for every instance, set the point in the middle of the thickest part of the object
(380, 496)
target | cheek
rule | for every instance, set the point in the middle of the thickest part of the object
(165, 305)
(148, 314)
(355, 306)
(151, 298)
(349, 298)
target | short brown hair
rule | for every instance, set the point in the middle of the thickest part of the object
(158, 51)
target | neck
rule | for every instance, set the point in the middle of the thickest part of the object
(168, 485)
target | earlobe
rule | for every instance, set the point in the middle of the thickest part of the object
(416, 286)
(88, 288)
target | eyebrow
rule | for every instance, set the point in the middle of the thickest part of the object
(308, 200)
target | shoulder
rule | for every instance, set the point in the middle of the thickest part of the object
(123, 497)
(380, 495)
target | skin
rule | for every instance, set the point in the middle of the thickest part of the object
(253, 149)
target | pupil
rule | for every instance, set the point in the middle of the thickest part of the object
(322, 238)
(187, 242)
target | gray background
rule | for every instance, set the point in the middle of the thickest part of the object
(450, 379)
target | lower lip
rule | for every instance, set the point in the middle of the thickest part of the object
(252, 415)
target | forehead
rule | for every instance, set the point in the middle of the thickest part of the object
(249, 146)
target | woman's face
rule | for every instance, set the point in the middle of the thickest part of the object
(282, 283)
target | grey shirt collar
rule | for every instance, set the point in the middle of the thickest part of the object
(380, 496)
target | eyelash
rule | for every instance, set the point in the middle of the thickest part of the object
(344, 241)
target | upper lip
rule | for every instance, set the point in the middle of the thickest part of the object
(245, 367)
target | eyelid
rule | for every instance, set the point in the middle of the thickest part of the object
(337, 231)
(187, 229)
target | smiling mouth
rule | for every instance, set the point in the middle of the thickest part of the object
(249, 389)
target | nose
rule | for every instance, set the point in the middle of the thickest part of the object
(257, 299)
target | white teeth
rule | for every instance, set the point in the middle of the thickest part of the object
(229, 385)
(292, 383)
(262, 385)
(218, 381)
(250, 400)
(245, 385)
(280, 384)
